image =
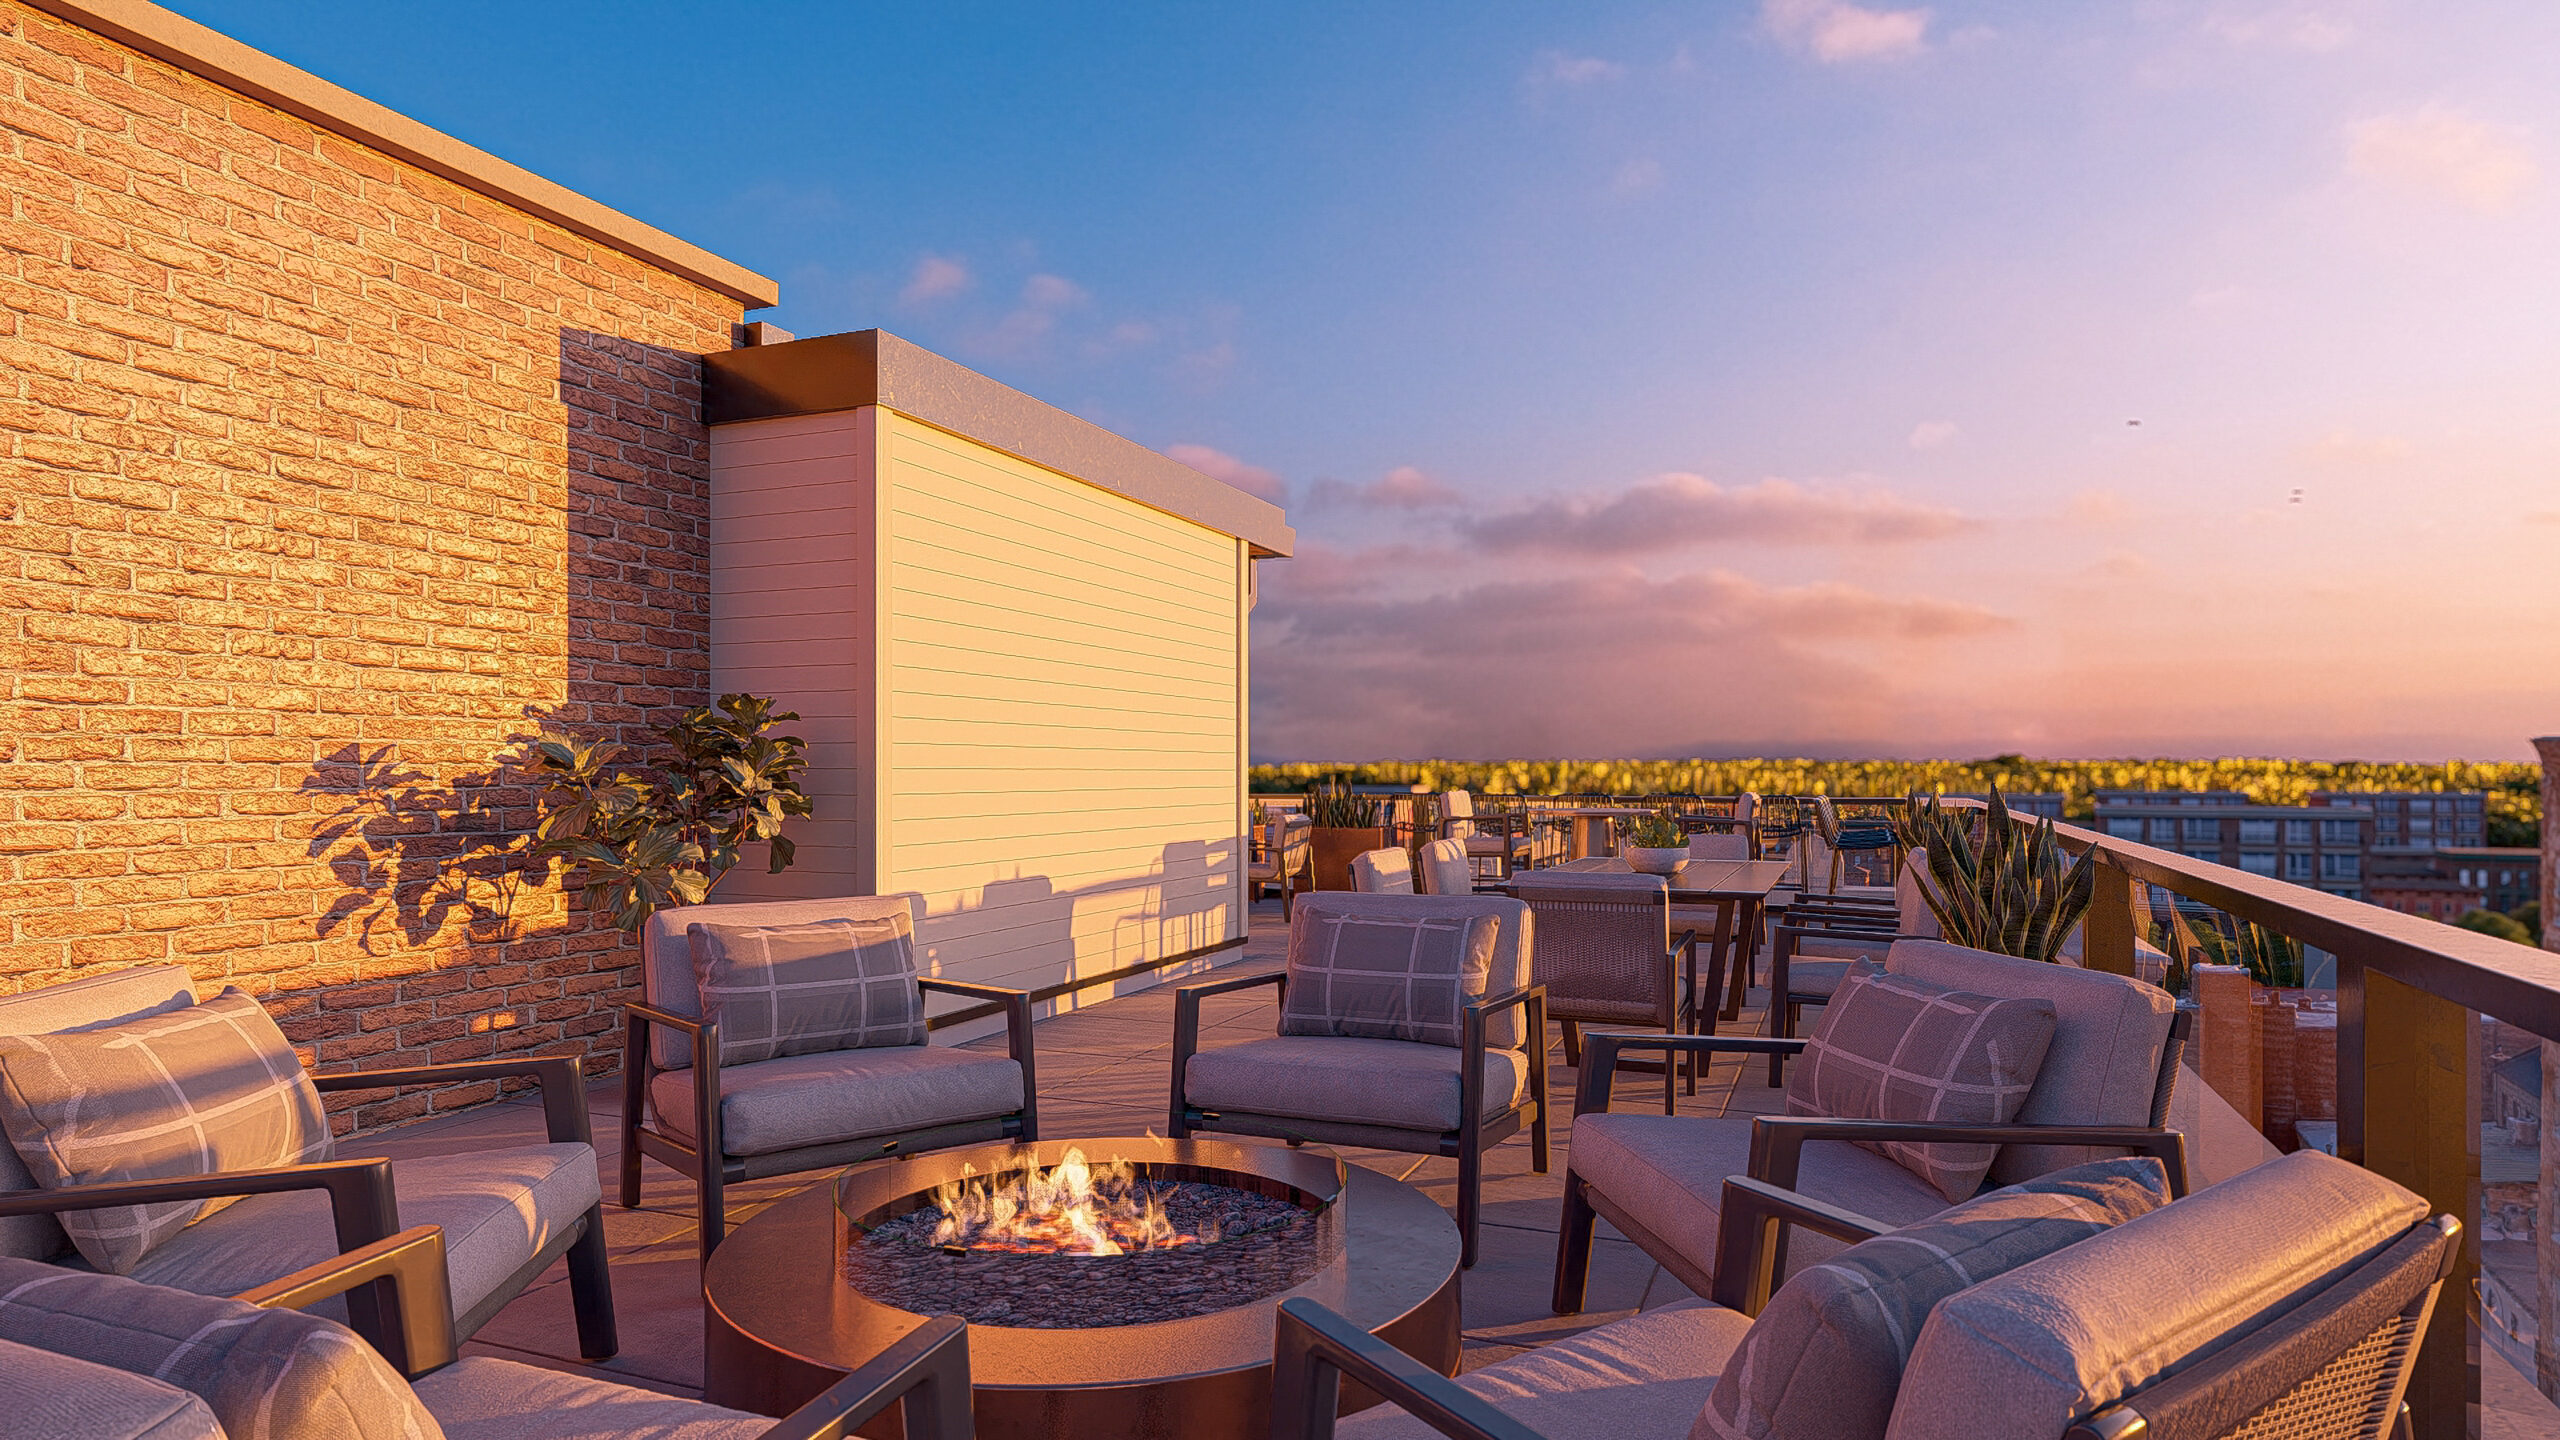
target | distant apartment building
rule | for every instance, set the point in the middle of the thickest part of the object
(2418, 819)
(2323, 846)
(2045, 806)
(2425, 882)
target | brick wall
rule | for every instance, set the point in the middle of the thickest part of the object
(321, 480)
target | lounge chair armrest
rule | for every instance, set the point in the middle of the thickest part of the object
(1314, 1348)
(1199, 988)
(655, 1016)
(564, 1090)
(1601, 1048)
(1015, 1005)
(1747, 1232)
(420, 1335)
(360, 1195)
(1493, 1005)
(928, 1369)
(1777, 1141)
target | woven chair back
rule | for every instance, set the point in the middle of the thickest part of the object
(1603, 948)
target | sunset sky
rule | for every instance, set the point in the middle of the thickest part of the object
(2076, 379)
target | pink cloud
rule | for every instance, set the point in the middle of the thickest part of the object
(1835, 32)
(1343, 669)
(1403, 488)
(1219, 465)
(1678, 510)
(936, 277)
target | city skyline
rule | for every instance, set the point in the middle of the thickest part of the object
(1793, 378)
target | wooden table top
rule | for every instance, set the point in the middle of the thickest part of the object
(1699, 879)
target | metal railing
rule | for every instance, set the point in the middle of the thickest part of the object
(2407, 1097)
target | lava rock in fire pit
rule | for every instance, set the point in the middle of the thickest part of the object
(1262, 1245)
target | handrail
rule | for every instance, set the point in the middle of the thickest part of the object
(2518, 984)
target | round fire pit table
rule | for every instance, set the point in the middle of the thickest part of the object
(785, 1315)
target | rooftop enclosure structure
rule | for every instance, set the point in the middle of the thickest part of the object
(1017, 645)
(336, 454)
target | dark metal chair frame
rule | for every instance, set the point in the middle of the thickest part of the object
(927, 1369)
(1476, 1132)
(2333, 1367)
(364, 1206)
(1777, 1148)
(1509, 828)
(713, 1170)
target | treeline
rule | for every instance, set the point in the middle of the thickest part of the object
(2514, 792)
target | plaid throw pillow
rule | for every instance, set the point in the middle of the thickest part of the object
(799, 989)
(265, 1374)
(1889, 1047)
(1385, 977)
(1826, 1356)
(208, 1088)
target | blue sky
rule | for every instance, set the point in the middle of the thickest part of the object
(1689, 379)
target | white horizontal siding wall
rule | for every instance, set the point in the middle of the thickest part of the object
(1062, 726)
(794, 527)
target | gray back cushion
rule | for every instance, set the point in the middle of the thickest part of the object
(1401, 976)
(48, 1395)
(2062, 1337)
(99, 999)
(800, 989)
(1382, 872)
(1514, 940)
(2108, 1037)
(666, 955)
(1825, 1357)
(209, 1088)
(1446, 870)
(265, 1374)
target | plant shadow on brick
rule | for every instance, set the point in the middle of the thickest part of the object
(419, 852)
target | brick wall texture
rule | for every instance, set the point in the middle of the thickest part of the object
(322, 480)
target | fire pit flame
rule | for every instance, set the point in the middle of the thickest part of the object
(1075, 1208)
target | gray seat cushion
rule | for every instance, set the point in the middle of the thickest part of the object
(1641, 1377)
(1395, 1083)
(44, 1394)
(777, 1105)
(2067, 1335)
(497, 1208)
(477, 1398)
(1667, 1173)
(2104, 1063)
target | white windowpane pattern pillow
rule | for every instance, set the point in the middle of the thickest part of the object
(209, 1088)
(801, 989)
(1889, 1047)
(1386, 977)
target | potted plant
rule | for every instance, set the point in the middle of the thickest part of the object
(643, 838)
(1346, 824)
(1996, 884)
(1654, 844)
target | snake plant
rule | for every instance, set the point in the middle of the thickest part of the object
(1333, 805)
(1995, 883)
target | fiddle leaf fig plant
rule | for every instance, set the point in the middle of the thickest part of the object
(643, 837)
(1996, 884)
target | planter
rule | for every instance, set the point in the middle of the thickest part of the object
(1335, 846)
(1652, 860)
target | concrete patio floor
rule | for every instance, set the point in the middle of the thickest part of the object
(1103, 1071)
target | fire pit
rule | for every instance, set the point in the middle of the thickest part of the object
(1170, 1335)
(1079, 1245)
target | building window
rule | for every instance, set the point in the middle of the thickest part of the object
(2297, 832)
(2338, 832)
(2205, 831)
(2164, 831)
(2124, 829)
(2257, 832)
(2340, 867)
(2258, 862)
(2297, 866)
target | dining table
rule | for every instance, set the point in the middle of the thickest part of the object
(1738, 891)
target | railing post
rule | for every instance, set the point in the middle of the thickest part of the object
(2409, 1110)
(2107, 936)
(2546, 1230)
